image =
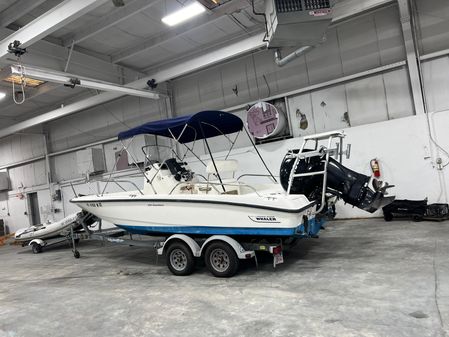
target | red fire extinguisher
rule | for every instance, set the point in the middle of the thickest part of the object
(375, 167)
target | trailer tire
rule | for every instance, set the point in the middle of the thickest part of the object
(180, 259)
(221, 259)
(37, 248)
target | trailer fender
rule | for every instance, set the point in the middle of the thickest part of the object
(239, 250)
(186, 239)
(38, 241)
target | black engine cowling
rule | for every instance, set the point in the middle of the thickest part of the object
(350, 186)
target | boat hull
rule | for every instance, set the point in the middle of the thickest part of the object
(274, 216)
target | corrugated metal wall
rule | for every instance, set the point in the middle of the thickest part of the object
(362, 44)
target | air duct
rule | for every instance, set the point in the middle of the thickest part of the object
(283, 61)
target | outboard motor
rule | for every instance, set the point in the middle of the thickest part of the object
(354, 188)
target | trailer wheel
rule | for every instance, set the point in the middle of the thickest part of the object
(180, 259)
(37, 248)
(221, 259)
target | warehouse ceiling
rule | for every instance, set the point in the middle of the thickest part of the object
(118, 44)
(129, 39)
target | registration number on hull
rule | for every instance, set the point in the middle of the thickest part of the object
(94, 204)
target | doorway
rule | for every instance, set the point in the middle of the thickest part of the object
(33, 203)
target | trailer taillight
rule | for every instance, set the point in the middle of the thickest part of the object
(277, 250)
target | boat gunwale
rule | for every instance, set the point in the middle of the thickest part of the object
(283, 210)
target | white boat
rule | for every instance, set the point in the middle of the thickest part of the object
(48, 230)
(176, 200)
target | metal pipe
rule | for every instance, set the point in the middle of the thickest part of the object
(69, 57)
(290, 57)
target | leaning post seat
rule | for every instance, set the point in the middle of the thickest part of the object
(226, 169)
(223, 166)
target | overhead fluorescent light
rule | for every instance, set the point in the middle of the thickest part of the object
(17, 79)
(183, 14)
(2, 95)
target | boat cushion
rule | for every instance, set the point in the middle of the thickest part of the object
(228, 165)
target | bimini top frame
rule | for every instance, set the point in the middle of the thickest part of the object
(190, 128)
(186, 129)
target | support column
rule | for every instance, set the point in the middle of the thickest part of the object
(412, 56)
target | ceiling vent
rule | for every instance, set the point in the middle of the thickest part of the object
(297, 22)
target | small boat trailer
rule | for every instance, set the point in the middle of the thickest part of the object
(221, 253)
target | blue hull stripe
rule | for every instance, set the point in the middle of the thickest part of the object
(204, 230)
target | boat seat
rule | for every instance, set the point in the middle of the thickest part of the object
(223, 166)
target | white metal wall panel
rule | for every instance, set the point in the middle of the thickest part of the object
(186, 95)
(294, 74)
(389, 35)
(21, 147)
(398, 93)
(28, 175)
(103, 121)
(303, 103)
(436, 83)
(329, 107)
(240, 74)
(264, 65)
(324, 62)
(433, 25)
(210, 90)
(358, 45)
(64, 167)
(366, 101)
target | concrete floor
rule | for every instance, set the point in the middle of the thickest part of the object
(361, 278)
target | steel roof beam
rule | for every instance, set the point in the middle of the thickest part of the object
(49, 22)
(346, 10)
(116, 16)
(17, 10)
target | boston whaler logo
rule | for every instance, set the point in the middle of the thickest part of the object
(263, 218)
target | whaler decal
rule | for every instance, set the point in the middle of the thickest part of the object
(264, 218)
